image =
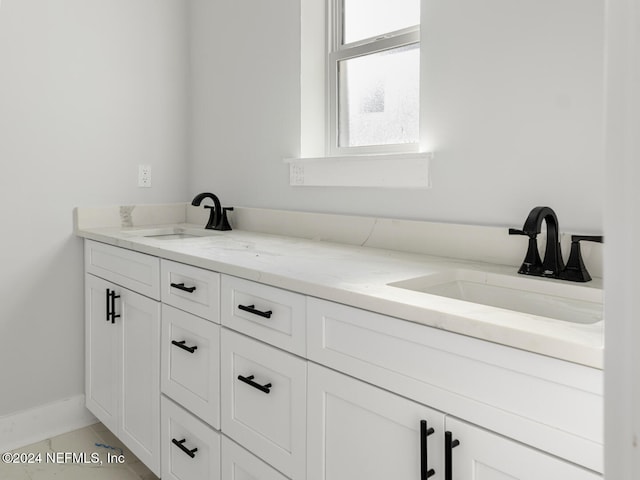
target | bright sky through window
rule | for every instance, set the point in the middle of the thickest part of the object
(369, 18)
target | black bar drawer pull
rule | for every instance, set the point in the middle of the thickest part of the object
(111, 305)
(449, 445)
(179, 444)
(181, 344)
(249, 381)
(180, 286)
(108, 304)
(251, 309)
(425, 471)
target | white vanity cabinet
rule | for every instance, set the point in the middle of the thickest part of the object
(122, 329)
(536, 408)
(261, 383)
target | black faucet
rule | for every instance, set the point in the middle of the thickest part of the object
(552, 265)
(218, 215)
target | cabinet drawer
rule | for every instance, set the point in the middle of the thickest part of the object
(273, 315)
(191, 363)
(191, 289)
(521, 395)
(190, 448)
(264, 401)
(239, 464)
(133, 270)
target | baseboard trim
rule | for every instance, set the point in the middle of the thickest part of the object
(30, 426)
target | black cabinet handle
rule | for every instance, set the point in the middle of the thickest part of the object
(251, 309)
(179, 444)
(449, 445)
(249, 381)
(181, 344)
(425, 471)
(107, 302)
(180, 286)
(111, 305)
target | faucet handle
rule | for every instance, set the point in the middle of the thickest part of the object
(515, 231)
(587, 238)
(575, 270)
(532, 264)
(223, 221)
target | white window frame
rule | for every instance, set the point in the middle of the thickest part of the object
(313, 165)
(338, 51)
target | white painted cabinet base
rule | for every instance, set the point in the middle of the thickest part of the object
(292, 401)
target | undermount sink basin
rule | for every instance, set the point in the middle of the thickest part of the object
(552, 299)
(171, 233)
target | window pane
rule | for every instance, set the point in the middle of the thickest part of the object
(378, 98)
(370, 18)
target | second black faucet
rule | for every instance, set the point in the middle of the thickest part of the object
(552, 265)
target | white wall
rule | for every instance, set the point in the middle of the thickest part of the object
(88, 89)
(244, 99)
(516, 112)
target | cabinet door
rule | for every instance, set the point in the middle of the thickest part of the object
(102, 385)
(483, 455)
(122, 369)
(355, 430)
(140, 376)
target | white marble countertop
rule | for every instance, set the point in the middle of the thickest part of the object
(359, 276)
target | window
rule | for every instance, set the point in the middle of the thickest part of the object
(374, 76)
(360, 103)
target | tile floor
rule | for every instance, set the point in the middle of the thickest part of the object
(54, 466)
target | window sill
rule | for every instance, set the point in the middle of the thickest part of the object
(406, 170)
